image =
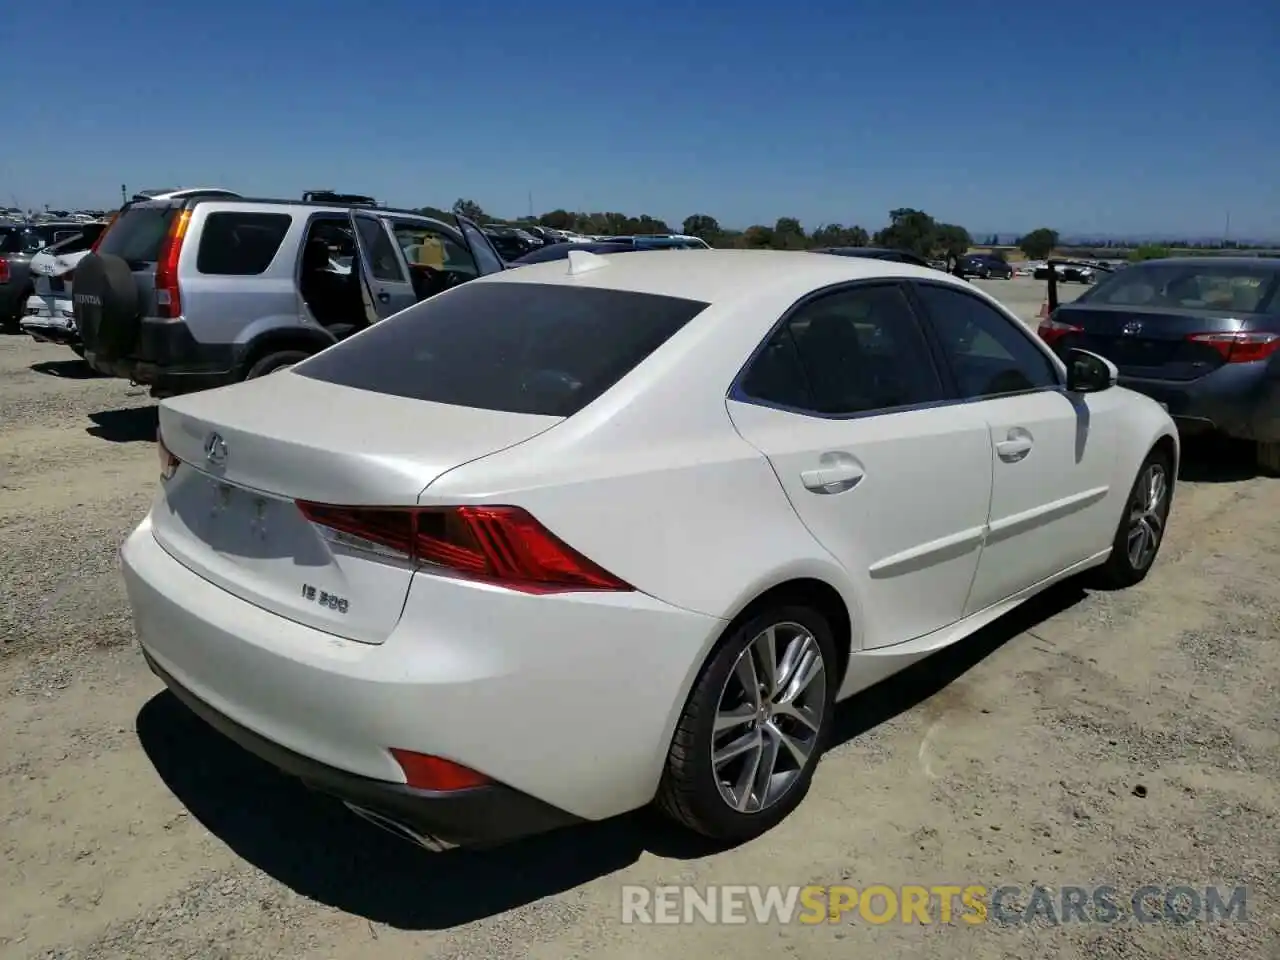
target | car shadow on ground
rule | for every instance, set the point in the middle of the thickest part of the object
(128, 425)
(313, 845)
(1211, 458)
(66, 369)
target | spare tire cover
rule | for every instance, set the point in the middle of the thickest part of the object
(105, 305)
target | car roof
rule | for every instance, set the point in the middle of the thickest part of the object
(719, 275)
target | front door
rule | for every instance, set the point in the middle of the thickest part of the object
(386, 278)
(1054, 453)
(843, 402)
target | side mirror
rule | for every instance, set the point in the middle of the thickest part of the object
(1089, 373)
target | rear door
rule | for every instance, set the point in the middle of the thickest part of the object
(1053, 453)
(109, 317)
(843, 400)
(382, 266)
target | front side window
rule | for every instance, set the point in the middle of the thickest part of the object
(425, 246)
(987, 353)
(857, 350)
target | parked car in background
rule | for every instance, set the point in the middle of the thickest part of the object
(190, 293)
(18, 244)
(511, 243)
(876, 253)
(984, 267)
(49, 314)
(658, 241)
(1068, 271)
(561, 251)
(483, 571)
(1201, 335)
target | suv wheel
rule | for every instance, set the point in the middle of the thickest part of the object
(274, 362)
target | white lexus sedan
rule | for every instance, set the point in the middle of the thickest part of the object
(569, 539)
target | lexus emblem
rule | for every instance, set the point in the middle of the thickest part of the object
(1132, 328)
(215, 449)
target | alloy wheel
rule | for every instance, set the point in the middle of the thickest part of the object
(769, 716)
(1146, 516)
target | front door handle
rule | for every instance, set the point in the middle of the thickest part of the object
(384, 297)
(838, 473)
(1016, 447)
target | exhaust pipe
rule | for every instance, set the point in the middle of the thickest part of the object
(403, 831)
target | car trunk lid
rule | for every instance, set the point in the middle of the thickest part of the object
(249, 452)
(1145, 343)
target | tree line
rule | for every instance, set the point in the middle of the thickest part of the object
(908, 229)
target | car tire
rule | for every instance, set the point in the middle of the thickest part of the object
(1142, 525)
(776, 724)
(274, 362)
(1268, 457)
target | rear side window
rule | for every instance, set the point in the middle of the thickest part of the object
(138, 233)
(528, 348)
(240, 243)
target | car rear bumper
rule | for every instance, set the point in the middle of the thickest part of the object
(566, 702)
(170, 360)
(1239, 400)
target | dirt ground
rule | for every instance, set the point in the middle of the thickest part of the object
(1090, 738)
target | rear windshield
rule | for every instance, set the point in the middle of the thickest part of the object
(529, 348)
(10, 241)
(1175, 286)
(138, 233)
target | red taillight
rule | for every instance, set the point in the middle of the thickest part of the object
(4, 270)
(168, 298)
(168, 462)
(1051, 331)
(425, 772)
(499, 545)
(94, 246)
(1242, 347)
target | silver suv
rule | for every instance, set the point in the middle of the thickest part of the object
(188, 293)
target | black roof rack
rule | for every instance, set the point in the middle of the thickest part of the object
(331, 196)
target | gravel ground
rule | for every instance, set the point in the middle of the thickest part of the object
(1118, 739)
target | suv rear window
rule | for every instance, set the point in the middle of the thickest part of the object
(138, 233)
(240, 243)
(515, 347)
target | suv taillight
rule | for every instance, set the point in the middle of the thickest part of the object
(168, 297)
(4, 270)
(504, 546)
(1242, 347)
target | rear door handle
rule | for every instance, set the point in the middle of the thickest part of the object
(1016, 447)
(384, 297)
(838, 473)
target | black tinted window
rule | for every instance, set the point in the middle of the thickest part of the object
(10, 241)
(137, 233)
(517, 347)
(240, 244)
(860, 350)
(777, 376)
(987, 352)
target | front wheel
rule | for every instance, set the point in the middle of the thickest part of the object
(754, 726)
(1142, 528)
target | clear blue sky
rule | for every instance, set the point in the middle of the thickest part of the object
(1137, 116)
